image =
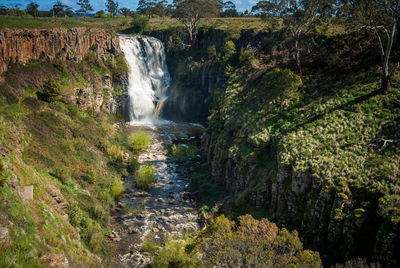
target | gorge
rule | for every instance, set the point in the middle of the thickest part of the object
(84, 109)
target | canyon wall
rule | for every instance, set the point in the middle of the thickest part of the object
(23, 45)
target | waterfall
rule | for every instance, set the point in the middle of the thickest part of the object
(148, 78)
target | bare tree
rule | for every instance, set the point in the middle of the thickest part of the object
(380, 17)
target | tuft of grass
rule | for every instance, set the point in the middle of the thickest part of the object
(138, 142)
(183, 152)
(145, 177)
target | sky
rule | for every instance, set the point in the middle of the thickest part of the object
(241, 5)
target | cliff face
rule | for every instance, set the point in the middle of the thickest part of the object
(22, 46)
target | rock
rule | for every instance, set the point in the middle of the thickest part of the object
(24, 45)
(55, 193)
(55, 260)
(4, 236)
(27, 193)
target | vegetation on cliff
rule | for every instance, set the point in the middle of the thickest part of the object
(56, 137)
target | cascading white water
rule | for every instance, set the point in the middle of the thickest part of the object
(148, 79)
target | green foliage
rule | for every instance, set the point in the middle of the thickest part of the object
(133, 166)
(139, 24)
(145, 177)
(51, 91)
(183, 152)
(281, 87)
(227, 51)
(115, 152)
(249, 243)
(139, 142)
(117, 189)
(3, 179)
(211, 52)
(174, 254)
(100, 14)
(118, 67)
(79, 220)
(91, 175)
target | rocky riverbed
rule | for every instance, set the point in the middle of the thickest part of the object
(164, 210)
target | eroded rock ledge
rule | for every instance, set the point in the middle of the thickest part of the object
(23, 45)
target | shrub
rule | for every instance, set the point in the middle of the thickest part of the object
(100, 214)
(91, 175)
(62, 174)
(51, 91)
(211, 52)
(117, 189)
(100, 14)
(2, 173)
(228, 50)
(133, 166)
(183, 152)
(139, 24)
(118, 67)
(174, 254)
(115, 152)
(79, 220)
(281, 86)
(145, 177)
(138, 142)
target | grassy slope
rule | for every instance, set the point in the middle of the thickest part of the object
(332, 131)
(57, 146)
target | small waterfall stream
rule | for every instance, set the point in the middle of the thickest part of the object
(166, 209)
(148, 78)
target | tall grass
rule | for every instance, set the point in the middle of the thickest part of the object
(145, 177)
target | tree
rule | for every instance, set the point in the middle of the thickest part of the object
(149, 8)
(189, 12)
(229, 10)
(85, 6)
(112, 7)
(268, 8)
(32, 9)
(61, 10)
(300, 21)
(381, 18)
(100, 14)
(125, 11)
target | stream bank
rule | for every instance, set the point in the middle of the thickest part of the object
(165, 209)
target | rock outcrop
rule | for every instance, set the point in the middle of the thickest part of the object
(23, 45)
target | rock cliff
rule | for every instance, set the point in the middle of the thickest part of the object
(22, 45)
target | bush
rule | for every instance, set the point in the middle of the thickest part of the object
(62, 174)
(138, 142)
(117, 189)
(51, 91)
(174, 254)
(2, 173)
(281, 86)
(183, 152)
(133, 166)
(115, 153)
(100, 14)
(139, 24)
(79, 220)
(118, 67)
(91, 175)
(145, 177)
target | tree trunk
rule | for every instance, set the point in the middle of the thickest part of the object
(298, 61)
(385, 83)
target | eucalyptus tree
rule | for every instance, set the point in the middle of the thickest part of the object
(189, 13)
(32, 9)
(112, 7)
(85, 7)
(381, 17)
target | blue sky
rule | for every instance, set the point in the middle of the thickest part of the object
(241, 5)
